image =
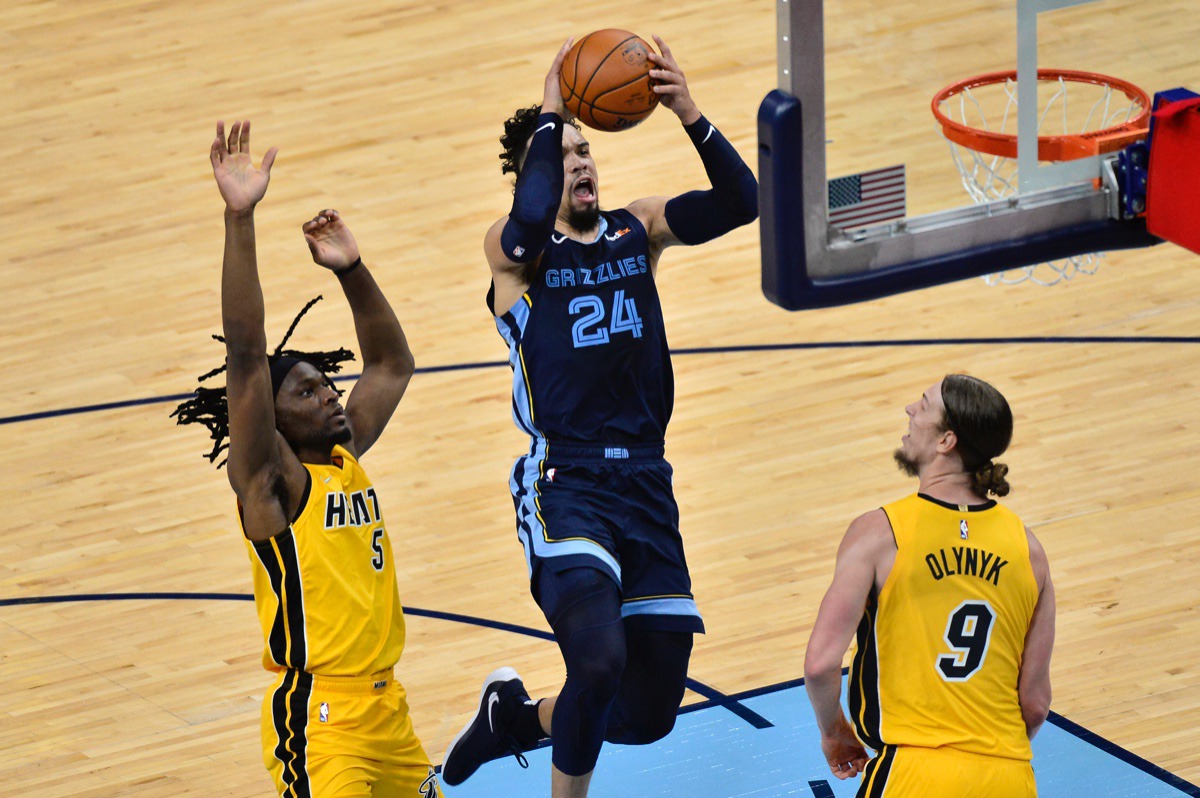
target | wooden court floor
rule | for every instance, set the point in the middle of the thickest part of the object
(782, 433)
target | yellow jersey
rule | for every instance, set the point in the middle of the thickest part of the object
(325, 588)
(940, 647)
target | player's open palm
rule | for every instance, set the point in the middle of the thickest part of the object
(330, 240)
(241, 184)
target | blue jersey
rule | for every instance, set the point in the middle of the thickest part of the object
(586, 341)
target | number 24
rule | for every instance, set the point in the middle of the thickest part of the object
(625, 318)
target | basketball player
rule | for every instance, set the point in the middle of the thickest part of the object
(954, 607)
(573, 294)
(335, 722)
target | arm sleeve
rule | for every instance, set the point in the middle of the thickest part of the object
(538, 193)
(699, 216)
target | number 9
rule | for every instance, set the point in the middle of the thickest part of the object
(968, 633)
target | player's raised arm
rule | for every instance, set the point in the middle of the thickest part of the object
(520, 237)
(255, 462)
(388, 363)
(697, 216)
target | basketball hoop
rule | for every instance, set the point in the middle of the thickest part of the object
(975, 115)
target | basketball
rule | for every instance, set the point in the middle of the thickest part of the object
(605, 80)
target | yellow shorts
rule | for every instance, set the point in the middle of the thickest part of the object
(909, 772)
(346, 737)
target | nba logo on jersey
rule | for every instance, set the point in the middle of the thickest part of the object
(550, 475)
(324, 713)
(962, 529)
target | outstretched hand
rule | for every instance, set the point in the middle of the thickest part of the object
(330, 240)
(552, 99)
(670, 84)
(241, 185)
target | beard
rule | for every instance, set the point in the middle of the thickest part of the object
(584, 219)
(342, 436)
(905, 462)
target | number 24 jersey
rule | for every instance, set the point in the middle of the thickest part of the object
(586, 341)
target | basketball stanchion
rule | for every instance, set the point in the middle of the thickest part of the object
(1172, 202)
(1089, 114)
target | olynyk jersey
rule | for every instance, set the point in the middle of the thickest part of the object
(939, 650)
(586, 341)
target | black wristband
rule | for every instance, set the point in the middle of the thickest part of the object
(348, 269)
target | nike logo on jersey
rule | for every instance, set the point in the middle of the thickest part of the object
(547, 126)
(493, 702)
(557, 239)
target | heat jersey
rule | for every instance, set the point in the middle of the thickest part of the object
(325, 588)
(939, 649)
(586, 341)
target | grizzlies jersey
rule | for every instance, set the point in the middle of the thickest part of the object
(586, 341)
(939, 649)
(325, 588)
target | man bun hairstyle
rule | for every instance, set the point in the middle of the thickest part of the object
(982, 422)
(210, 406)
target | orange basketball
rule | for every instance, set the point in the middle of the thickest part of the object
(605, 80)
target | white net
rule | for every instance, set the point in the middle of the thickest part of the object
(986, 178)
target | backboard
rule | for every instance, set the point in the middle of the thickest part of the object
(826, 110)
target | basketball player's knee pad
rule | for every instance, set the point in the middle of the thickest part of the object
(579, 723)
(595, 658)
(652, 685)
(583, 606)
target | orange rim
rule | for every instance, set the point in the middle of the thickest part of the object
(1050, 148)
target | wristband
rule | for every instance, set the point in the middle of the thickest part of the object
(348, 269)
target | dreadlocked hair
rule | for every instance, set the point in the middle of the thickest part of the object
(210, 406)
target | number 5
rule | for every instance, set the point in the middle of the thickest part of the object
(377, 547)
(968, 633)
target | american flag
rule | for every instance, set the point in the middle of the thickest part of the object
(867, 198)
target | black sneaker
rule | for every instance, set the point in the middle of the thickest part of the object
(488, 735)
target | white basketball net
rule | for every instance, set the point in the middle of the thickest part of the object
(991, 177)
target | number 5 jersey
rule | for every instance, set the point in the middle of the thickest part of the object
(325, 588)
(586, 341)
(940, 647)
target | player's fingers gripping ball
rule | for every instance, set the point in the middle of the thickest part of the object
(605, 80)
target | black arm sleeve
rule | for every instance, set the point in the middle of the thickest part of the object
(538, 194)
(699, 216)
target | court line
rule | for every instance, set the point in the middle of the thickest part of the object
(715, 698)
(702, 350)
(1069, 726)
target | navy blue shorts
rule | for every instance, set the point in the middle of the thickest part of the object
(611, 509)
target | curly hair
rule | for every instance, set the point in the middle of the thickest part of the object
(210, 406)
(518, 129)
